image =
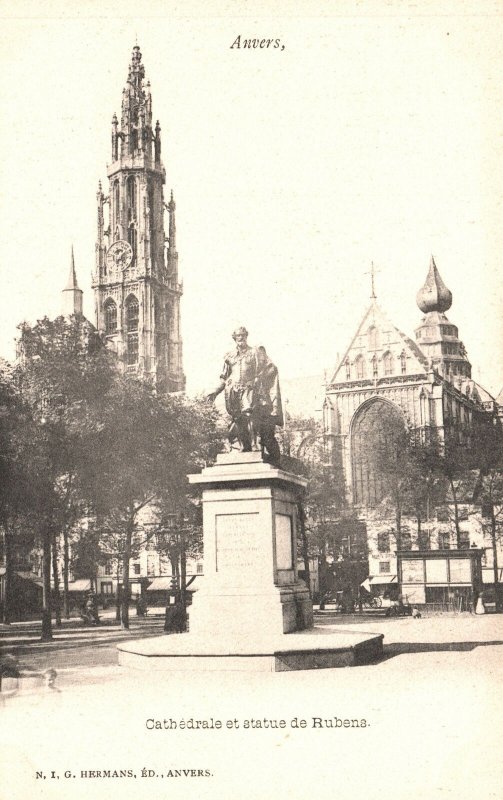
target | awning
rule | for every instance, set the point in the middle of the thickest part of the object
(164, 584)
(379, 580)
(80, 585)
(159, 585)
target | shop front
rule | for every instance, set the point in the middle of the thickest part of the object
(441, 580)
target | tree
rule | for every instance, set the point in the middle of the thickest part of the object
(140, 456)
(487, 452)
(323, 515)
(16, 488)
(412, 466)
(64, 373)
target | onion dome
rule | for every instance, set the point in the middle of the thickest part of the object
(434, 296)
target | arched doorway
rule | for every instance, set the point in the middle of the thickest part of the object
(376, 424)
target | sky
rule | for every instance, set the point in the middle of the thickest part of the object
(373, 136)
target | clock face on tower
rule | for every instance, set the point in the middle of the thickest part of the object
(119, 255)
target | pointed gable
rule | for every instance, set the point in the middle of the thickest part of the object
(378, 349)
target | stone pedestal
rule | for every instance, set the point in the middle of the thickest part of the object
(252, 611)
(250, 582)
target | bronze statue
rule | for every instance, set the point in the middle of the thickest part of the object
(252, 397)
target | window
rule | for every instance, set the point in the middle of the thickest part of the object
(109, 568)
(375, 367)
(383, 542)
(403, 363)
(131, 198)
(106, 588)
(348, 370)
(133, 136)
(132, 321)
(136, 569)
(151, 566)
(199, 569)
(132, 238)
(132, 315)
(423, 541)
(132, 348)
(388, 364)
(360, 367)
(110, 317)
(384, 567)
(117, 196)
(373, 338)
(464, 540)
(444, 540)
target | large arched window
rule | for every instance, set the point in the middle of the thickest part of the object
(375, 367)
(360, 367)
(132, 323)
(133, 136)
(132, 314)
(110, 317)
(131, 203)
(131, 198)
(377, 445)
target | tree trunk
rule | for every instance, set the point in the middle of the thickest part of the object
(118, 594)
(46, 585)
(304, 545)
(495, 558)
(7, 581)
(456, 514)
(183, 578)
(66, 570)
(323, 575)
(175, 572)
(55, 575)
(125, 577)
(398, 523)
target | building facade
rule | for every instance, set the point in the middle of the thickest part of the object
(387, 379)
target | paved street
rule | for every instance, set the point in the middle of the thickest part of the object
(431, 705)
(74, 646)
(87, 654)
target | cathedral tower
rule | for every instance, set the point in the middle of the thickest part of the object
(136, 286)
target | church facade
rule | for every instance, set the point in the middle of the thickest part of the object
(387, 378)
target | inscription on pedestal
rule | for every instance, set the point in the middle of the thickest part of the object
(236, 542)
(284, 541)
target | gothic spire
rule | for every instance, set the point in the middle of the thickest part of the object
(72, 295)
(72, 277)
(135, 134)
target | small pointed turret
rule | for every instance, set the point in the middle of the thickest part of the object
(172, 222)
(436, 336)
(434, 295)
(72, 295)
